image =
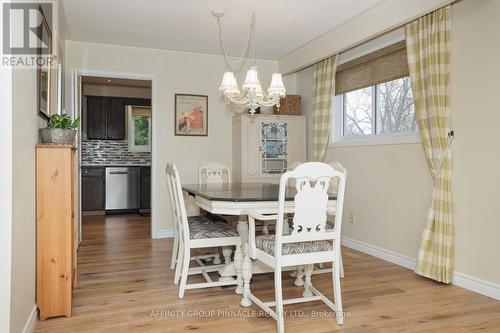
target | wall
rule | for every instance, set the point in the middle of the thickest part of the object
(174, 72)
(26, 122)
(475, 55)
(389, 186)
(5, 195)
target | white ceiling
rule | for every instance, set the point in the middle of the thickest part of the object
(187, 25)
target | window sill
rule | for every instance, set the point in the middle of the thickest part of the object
(376, 141)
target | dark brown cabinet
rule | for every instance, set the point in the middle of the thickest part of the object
(106, 116)
(139, 101)
(96, 117)
(115, 118)
(145, 187)
(93, 188)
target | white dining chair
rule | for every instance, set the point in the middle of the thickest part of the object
(198, 232)
(319, 269)
(309, 240)
(214, 173)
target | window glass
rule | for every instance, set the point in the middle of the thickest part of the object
(358, 112)
(384, 109)
(395, 110)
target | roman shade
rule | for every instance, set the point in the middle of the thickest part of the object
(387, 64)
(138, 111)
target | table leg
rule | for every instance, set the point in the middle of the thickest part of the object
(247, 276)
(238, 263)
(228, 271)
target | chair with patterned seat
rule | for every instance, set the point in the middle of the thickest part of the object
(308, 242)
(198, 232)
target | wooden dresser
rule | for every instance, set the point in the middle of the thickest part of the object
(55, 229)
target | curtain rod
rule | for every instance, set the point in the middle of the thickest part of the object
(379, 34)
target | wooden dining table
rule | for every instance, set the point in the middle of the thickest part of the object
(235, 199)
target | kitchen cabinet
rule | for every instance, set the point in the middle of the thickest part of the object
(93, 189)
(264, 146)
(145, 188)
(106, 116)
(115, 118)
(96, 117)
(139, 101)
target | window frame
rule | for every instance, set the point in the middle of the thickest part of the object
(131, 134)
(337, 138)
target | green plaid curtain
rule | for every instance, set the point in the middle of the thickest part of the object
(428, 46)
(323, 92)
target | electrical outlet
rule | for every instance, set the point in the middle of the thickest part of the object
(351, 218)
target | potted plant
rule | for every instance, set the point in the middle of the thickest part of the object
(60, 130)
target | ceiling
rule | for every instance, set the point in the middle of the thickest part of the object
(187, 25)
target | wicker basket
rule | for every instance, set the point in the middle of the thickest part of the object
(289, 105)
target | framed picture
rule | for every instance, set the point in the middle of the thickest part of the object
(43, 72)
(191, 115)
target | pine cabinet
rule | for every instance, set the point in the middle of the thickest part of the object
(265, 145)
(55, 229)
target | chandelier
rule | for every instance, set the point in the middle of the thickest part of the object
(251, 93)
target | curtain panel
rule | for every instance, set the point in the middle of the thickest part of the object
(323, 93)
(428, 49)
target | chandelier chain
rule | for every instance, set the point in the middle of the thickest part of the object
(247, 53)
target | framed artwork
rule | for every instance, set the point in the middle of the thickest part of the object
(191, 115)
(43, 72)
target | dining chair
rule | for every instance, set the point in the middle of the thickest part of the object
(214, 173)
(299, 272)
(198, 232)
(309, 240)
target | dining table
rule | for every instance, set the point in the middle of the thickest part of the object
(234, 199)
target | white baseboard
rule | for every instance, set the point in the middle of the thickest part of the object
(477, 285)
(163, 234)
(459, 279)
(32, 319)
(380, 253)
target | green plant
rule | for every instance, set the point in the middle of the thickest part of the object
(62, 121)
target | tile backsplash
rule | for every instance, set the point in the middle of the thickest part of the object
(112, 152)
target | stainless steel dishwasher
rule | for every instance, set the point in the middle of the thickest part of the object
(122, 188)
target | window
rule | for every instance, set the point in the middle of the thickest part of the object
(139, 134)
(384, 110)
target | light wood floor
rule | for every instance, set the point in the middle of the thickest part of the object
(125, 285)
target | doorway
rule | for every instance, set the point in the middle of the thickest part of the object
(115, 144)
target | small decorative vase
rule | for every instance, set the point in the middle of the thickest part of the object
(58, 136)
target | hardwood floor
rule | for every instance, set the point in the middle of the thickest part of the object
(125, 285)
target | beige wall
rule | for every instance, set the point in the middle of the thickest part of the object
(389, 186)
(175, 72)
(476, 119)
(24, 137)
(5, 195)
